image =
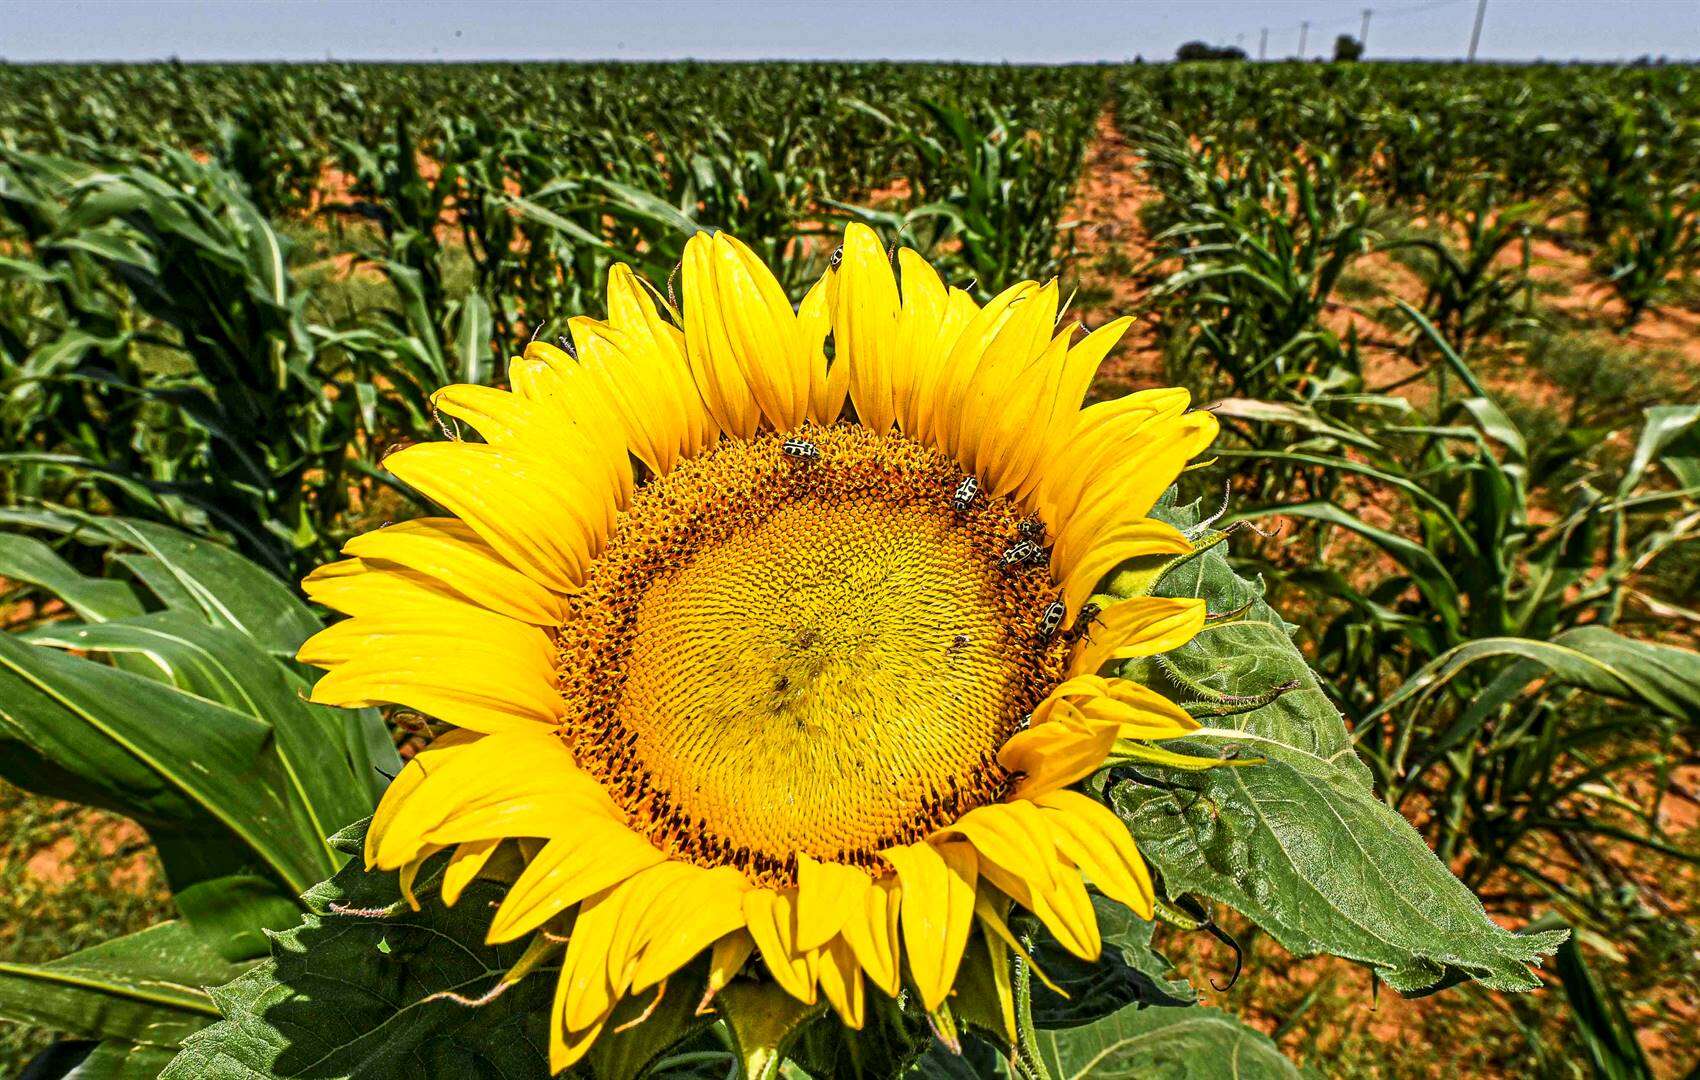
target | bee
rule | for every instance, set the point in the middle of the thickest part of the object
(801, 449)
(1031, 530)
(1051, 619)
(966, 493)
(1020, 553)
(1083, 621)
(837, 259)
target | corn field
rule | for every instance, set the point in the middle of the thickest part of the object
(1448, 318)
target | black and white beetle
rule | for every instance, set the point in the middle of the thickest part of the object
(1031, 530)
(1020, 553)
(966, 493)
(801, 449)
(836, 260)
(1051, 619)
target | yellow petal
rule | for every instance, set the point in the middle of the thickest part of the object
(932, 363)
(450, 552)
(464, 866)
(990, 907)
(512, 784)
(827, 894)
(1056, 754)
(1138, 711)
(587, 993)
(1012, 836)
(599, 854)
(725, 960)
(707, 907)
(407, 782)
(772, 920)
(1099, 436)
(829, 381)
(648, 377)
(539, 519)
(937, 883)
(1066, 910)
(925, 301)
(865, 325)
(714, 357)
(872, 934)
(1139, 626)
(1133, 538)
(416, 621)
(1131, 483)
(764, 333)
(1095, 840)
(479, 690)
(958, 374)
(366, 587)
(841, 982)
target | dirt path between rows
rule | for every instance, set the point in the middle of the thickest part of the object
(1110, 245)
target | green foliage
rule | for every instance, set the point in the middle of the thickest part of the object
(226, 292)
(1174, 1044)
(170, 698)
(1299, 843)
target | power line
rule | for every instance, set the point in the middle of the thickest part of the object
(1476, 34)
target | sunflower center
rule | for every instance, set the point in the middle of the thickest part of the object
(780, 654)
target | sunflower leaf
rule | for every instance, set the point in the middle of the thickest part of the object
(1179, 1043)
(1300, 844)
(1129, 972)
(360, 988)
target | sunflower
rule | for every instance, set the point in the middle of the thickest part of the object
(762, 629)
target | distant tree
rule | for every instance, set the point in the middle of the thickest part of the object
(1198, 50)
(1347, 48)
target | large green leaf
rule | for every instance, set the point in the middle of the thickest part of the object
(1300, 843)
(1590, 658)
(226, 666)
(147, 987)
(1130, 971)
(117, 1060)
(356, 990)
(79, 729)
(1163, 1044)
(231, 590)
(25, 559)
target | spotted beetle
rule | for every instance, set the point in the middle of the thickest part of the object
(801, 449)
(1020, 553)
(1051, 619)
(966, 493)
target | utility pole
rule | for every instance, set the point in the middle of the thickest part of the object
(1263, 45)
(1363, 33)
(1476, 34)
(1304, 33)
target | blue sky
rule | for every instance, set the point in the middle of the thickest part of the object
(1057, 31)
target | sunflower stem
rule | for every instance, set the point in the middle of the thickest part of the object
(1027, 1037)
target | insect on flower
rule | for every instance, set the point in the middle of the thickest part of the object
(801, 449)
(1020, 553)
(966, 493)
(1051, 620)
(1083, 621)
(858, 624)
